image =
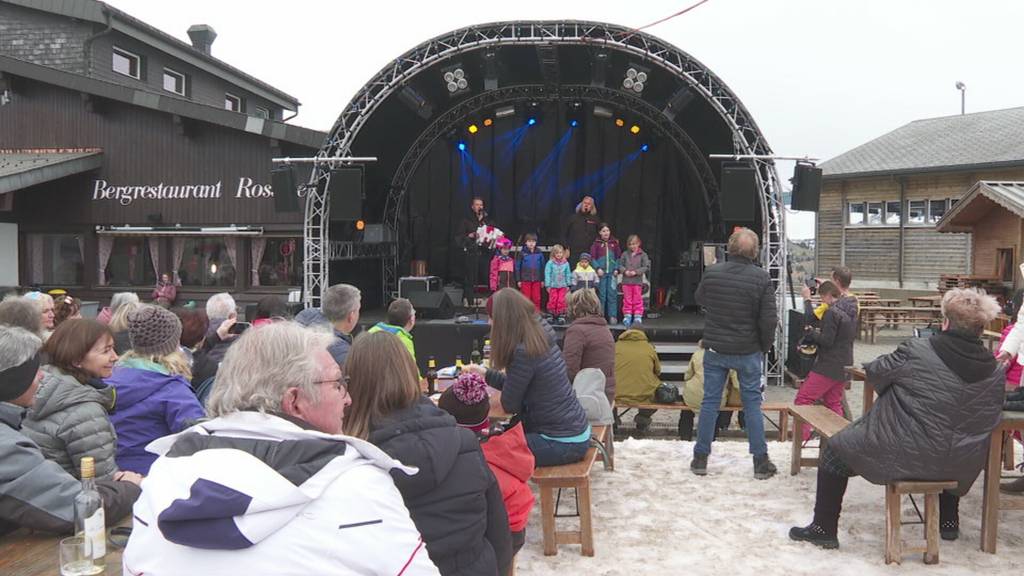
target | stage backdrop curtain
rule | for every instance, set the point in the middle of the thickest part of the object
(36, 245)
(256, 254)
(81, 249)
(177, 252)
(105, 245)
(154, 255)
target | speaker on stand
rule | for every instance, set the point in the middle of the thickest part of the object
(806, 187)
(738, 192)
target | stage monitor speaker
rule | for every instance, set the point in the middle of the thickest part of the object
(432, 305)
(738, 193)
(346, 192)
(806, 187)
(282, 180)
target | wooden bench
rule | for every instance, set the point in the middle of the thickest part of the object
(873, 318)
(820, 418)
(577, 476)
(895, 547)
(781, 408)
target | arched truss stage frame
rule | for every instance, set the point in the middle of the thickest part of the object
(747, 137)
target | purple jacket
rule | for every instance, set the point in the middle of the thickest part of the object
(150, 405)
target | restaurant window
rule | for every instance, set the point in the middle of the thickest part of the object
(855, 214)
(936, 210)
(875, 213)
(892, 213)
(277, 261)
(232, 102)
(55, 259)
(1005, 264)
(127, 63)
(916, 211)
(129, 263)
(208, 261)
(174, 81)
(261, 112)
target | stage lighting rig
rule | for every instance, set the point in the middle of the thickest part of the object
(505, 111)
(620, 122)
(634, 129)
(635, 79)
(602, 111)
(488, 122)
(455, 79)
(473, 129)
(461, 146)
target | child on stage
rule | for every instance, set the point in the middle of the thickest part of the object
(584, 276)
(503, 266)
(530, 269)
(557, 279)
(606, 253)
(633, 264)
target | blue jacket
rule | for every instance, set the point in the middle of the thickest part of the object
(557, 274)
(339, 348)
(530, 265)
(150, 405)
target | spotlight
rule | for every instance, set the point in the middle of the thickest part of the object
(505, 112)
(462, 146)
(473, 129)
(644, 148)
(455, 80)
(635, 79)
(620, 122)
(488, 122)
(574, 123)
(360, 225)
(634, 129)
(531, 121)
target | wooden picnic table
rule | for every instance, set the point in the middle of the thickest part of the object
(30, 553)
(926, 301)
(496, 412)
(857, 373)
(893, 315)
(992, 503)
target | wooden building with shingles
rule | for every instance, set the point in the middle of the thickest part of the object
(881, 202)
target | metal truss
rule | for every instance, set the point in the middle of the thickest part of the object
(748, 138)
(347, 250)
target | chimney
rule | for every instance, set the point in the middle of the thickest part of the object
(202, 36)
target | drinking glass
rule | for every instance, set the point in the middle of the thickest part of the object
(75, 558)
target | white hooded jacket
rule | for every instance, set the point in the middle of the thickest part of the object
(251, 493)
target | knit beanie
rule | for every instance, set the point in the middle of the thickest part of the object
(153, 331)
(467, 400)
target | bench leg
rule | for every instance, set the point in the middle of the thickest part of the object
(586, 526)
(931, 528)
(783, 424)
(798, 438)
(547, 519)
(893, 541)
(1008, 452)
(609, 445)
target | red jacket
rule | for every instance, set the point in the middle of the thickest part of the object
(503, 272)
(1014, 371)
(512, 463)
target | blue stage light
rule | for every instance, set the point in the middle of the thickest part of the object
(531, 121)
(574, 123)
(644, 148)
(462, 146)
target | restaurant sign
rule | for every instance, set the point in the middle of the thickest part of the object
(125, 195)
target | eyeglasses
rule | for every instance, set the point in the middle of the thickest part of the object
(340, 384)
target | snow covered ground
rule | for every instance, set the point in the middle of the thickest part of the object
(652, 516)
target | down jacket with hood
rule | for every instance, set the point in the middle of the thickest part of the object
(512, 463)
(454, 499)
(739, 301)
(835, 339)
(252, 493)
(68, 420)
(638, 368)
(939, 398)
(150, 404)
(589, 344)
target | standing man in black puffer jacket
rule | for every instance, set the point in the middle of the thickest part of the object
(739, 327)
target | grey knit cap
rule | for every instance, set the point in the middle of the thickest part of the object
(153, 331)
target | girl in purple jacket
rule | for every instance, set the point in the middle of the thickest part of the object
(605, 253)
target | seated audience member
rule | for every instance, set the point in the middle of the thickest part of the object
(44, 302)
(116, 301)
(269, 309)
(401, 319)
(639, 374)
(528, 368)
(311, 318)
(119, 327)
(453, 499)
(693, 394)
(588, 341)
(269, 486)
(66, 307)
(165, 292)
(220, 308)
(23, 314)
(68, 419)
(36, 493)
(1012, 355)
(939, 398)
(194, 325)
(154, 398)
(340, 305)
(507, 454)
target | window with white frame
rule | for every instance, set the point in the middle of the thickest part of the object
(875, 213)
(174, 81)
(232, 102)
(855, 214)
(936, 210)
(917, 212)
(261, 112)
(127, 63)
(892, 213)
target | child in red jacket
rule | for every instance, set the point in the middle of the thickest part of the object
(503, 266)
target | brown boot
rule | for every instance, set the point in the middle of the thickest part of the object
(1015, 487)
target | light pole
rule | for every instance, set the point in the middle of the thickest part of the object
(963, 90)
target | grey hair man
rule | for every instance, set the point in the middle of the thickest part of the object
(22, 313)
(222, 311)
(340, 305)
(274, 439)
(739, 328)
(34, 492)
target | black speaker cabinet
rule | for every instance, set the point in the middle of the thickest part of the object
(432, 305)
(346, 193)
(409, 284)
(282, 180)
(806, 187)
(738, 193)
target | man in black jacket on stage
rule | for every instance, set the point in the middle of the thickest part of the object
(465, 238)
(739, 327)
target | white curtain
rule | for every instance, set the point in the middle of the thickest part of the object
(177, 252)
(154, 255)
(106, 246)
(259, 245)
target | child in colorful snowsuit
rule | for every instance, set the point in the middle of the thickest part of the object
(633, 264)
(606, 252)
(530, 269)
(557, 279)
(584, 276)
(503, 266)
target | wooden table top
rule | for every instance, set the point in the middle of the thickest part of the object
(855, 372)
(907, 309)
(28, 553)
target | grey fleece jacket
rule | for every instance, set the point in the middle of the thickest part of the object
(68, 421)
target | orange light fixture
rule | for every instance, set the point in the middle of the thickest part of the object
(634, 129)
(620, 122)
(488, 122)
(360, 225)
(473, 129)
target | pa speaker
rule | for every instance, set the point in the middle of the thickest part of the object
(346, 193)
(806, 187)
(432, 305)
(738, 192)
(282, 181)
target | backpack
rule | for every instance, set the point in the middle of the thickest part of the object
(589, 388)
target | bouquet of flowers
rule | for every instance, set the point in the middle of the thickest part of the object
(487, 235)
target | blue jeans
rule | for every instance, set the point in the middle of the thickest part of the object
(748, 368)
(551, 453)
(608, 295)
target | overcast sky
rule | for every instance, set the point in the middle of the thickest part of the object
(819, 76)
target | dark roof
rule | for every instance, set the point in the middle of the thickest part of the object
(164, 102)
(979, 200)
(969, 141)
(23, 168)
(93, 11)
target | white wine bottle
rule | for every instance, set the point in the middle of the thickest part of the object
(89, 519)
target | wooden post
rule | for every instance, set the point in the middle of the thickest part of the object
(1008, 452)
(931, 528)
(586, 526)
(893, 540)
(547, 519)
(798, 440)
(990, 505)
(783, 424)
